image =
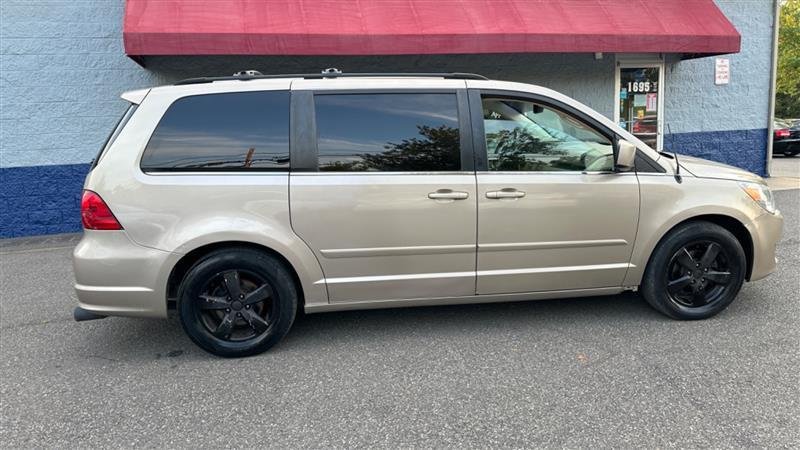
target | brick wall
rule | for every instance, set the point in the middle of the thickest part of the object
(726, 123)
(62, 69)
(40, 199)
(694, 103)
(740, 148)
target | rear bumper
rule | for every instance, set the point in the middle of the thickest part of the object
(786, 145)
(117, 277)
(766, 231)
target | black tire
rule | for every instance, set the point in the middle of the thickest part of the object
(682, 292)
(237, 302)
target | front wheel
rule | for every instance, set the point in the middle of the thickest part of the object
(237, 302)
(695, 272)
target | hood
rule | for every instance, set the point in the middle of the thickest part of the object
(703, 168)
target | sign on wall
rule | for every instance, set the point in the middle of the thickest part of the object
(722, 71)
(652, 102)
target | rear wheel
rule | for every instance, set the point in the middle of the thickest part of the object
(237, 302)
(695, 272)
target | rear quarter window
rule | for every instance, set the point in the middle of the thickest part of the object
(222, 132)
(114, 133)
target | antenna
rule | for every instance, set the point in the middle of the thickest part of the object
(678, 177)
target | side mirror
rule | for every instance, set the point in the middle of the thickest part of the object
(626, 155)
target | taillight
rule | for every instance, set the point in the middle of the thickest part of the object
(95, 213)
(782, 133)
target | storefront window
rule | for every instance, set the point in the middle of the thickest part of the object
(638, 103)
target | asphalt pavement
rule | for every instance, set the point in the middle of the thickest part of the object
(592, 372)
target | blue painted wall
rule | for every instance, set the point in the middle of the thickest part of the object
(41, 199)
(62, 69)
(741, 148)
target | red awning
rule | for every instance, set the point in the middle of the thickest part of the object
(395, 27)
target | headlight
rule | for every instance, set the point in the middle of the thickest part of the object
(760, 194)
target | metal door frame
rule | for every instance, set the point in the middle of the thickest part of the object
(640, 63)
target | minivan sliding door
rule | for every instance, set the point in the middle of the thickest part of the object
(388, 203)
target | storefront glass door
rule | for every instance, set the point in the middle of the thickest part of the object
(639, 109)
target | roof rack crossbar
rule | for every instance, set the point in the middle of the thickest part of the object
(247, 77)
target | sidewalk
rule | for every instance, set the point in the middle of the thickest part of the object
(785, 174)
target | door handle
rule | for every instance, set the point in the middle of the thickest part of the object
(505, 193)
(447, 194)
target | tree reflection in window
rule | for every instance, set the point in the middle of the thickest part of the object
(436, 148)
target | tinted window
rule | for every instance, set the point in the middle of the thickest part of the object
(526, 136)
(242, 130)
(388, 132)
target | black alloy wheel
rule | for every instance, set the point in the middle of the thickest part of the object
(695, 272)
(698, 274)
(235, 306)
(237, 302)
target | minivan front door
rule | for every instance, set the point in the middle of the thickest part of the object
(552, 213)
(389, 207)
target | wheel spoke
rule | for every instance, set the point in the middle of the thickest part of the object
(685, 259)
(256, 322)
(232, 284)
(718, 277)
(676, 285)
(211, 302)
(259, 295)
(710, 255)
(225, 327)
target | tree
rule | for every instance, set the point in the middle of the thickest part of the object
(787, 88)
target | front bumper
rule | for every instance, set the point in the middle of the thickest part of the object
(766, 231)
(117, 277)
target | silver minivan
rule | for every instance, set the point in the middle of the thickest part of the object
(238, 200)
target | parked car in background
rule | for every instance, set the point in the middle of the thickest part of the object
(646, 126)
(786, 138)
(239, 200)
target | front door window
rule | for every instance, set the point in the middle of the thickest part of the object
(524, 136)
(639, 89)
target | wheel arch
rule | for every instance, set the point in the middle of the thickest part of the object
(731, 224)
(188, 260)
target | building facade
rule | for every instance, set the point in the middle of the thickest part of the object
(63, 66)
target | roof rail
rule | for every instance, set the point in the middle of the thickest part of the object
(328, 73)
